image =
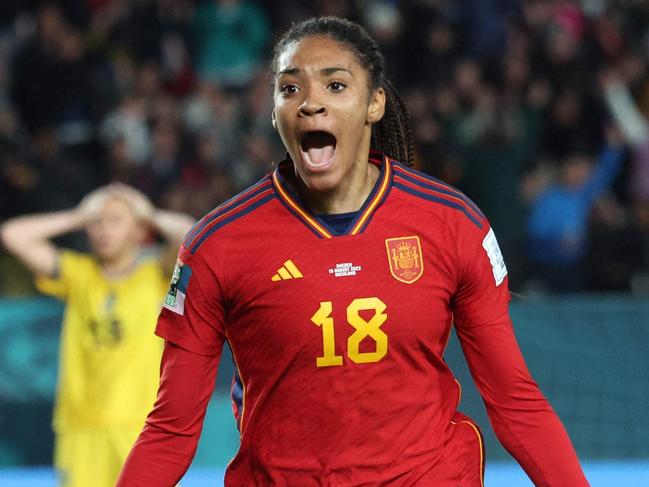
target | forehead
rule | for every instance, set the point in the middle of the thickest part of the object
(117, 205)
(318, 52)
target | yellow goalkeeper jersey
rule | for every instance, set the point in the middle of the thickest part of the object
(109, 357)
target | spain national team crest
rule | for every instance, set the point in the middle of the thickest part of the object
(405, 258)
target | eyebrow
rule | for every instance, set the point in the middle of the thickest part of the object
(324, 71)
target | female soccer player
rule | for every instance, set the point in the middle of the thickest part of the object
(335, 281)
(109, 361)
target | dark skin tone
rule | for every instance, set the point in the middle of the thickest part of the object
(322, 87)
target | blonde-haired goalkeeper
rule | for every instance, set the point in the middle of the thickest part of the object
(109, 357)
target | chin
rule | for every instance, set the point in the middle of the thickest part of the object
(105, 256)
(105, 252)
(320, 181)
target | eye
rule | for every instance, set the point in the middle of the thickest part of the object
(337, 86)
(288, 89)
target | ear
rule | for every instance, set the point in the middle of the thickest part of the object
(273, 121)
(376, 107)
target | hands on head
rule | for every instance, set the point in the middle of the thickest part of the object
(92, 204)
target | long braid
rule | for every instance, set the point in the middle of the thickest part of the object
(406, 127)
(392, 135)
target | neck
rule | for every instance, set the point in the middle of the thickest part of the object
(348, 196)
(119, 266)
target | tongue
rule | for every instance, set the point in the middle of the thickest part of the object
(321, 155)
(319, 147)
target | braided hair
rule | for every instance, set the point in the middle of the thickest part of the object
(392, 135)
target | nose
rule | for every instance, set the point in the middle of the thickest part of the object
(311, 106)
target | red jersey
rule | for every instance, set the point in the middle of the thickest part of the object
(339, 341)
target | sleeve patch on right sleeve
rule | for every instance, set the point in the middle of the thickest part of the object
(490, 244)
(175, 299)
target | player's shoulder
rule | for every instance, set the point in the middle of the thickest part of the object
(217, 221)
(74, 261)
(437, 197)
(150, 259)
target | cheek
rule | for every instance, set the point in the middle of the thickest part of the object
(284, 131)
(281, 124)
(132, 232)
(92, 237)
(354, 120)
(94, 232)
(91, 230)
(281, 107)
(279, 117)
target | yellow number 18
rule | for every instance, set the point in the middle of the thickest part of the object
(364, 328)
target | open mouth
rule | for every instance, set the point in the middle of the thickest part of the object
(318, 148)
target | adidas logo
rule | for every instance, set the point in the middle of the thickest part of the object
(287, 271)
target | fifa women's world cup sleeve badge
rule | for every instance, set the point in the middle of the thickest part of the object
(405, 258)
(175, 299)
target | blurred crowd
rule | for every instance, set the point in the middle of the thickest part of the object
(537, 109)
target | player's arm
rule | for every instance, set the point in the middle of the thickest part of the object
(628, 117)
(521, 416)
(165, 448)
(29, 237)
(192, 323)
(172, 226)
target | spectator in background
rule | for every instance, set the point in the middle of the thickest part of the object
(557, 226)
(63, 177)
(633, 125)
(487, 25)
(108, 374)
(495, 133)
(18, 182)
(212, 110)
(573, 120)
(230, 37)
(253, 163)
(163, 167)
(128, 124)
(57, 84)
(491, 95)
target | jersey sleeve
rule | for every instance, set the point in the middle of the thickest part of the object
(521, 416)
(69, 267)
(193, 312)
(166, 446)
